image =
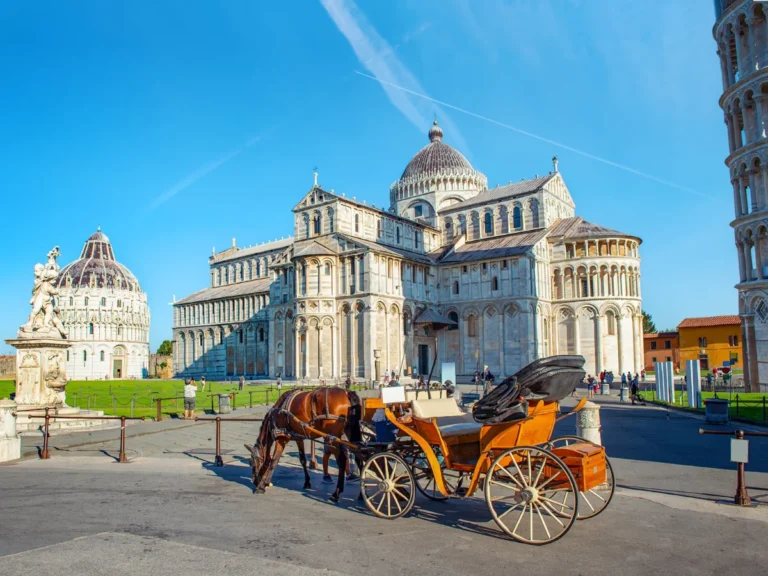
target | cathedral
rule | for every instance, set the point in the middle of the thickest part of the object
(452, 272)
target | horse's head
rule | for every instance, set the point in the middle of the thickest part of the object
(258, 454)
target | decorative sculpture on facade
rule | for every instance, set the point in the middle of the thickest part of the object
(44, 320)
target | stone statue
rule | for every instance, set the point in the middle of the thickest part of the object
(45, 319)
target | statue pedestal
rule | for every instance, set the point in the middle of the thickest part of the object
(41, 374)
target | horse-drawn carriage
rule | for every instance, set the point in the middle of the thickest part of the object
(535, 486)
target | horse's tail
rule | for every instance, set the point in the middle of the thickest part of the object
(354, 416)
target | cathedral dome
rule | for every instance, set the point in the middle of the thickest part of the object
(97, 268)
(437, 158)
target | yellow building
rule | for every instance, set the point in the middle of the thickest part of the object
(714, 341)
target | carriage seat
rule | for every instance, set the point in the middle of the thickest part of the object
(435, 408)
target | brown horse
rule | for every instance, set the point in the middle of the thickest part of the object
(332, 411)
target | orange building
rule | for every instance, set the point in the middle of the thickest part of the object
(661, 347)
(714, 341)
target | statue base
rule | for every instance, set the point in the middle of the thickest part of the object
(26, 425)
(41, 373)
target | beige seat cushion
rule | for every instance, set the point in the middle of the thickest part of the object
(435, 408)
(411, 395)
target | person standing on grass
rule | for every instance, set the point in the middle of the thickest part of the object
(241, 384)
(279, 384)
(202, 383)
(190, 392)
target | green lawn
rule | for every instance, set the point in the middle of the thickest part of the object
(136, 397)
(746, 405)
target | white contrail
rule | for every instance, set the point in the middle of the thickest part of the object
(201, 172)
(378, 57)
(537, 137)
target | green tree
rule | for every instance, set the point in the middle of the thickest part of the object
(648, 326)
(166, 348)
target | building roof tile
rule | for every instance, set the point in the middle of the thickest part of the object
(258, 286)
(496, 247)
(501, 192)
(710, 321)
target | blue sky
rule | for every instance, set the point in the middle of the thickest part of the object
(177, 126)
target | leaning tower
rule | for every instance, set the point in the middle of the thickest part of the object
(741, 33)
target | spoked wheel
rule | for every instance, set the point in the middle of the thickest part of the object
(593, 501)
(425, 479)
(520, 491)
(387, 485)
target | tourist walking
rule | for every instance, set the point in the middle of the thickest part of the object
(633, 390)
(190, 393)
(602, 377)
(202, 383)
(590, 386)
(348, 382)
(279, 384)
(642, 375)
(241, 384)
(623, 380)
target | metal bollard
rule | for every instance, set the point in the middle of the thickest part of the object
(219, 461)
(250, 399)
(10, 441)
(588, 423)
(44, 455)
(159, 415)
(122, 459)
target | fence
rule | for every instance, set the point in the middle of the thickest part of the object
(742, 405)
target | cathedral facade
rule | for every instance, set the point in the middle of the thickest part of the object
(452, 271)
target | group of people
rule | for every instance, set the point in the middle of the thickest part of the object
(627, 379)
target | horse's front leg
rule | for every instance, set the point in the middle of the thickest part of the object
(303, 460)
(341, 460)
(279, 447)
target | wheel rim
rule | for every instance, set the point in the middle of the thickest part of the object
(387, 486)
(425, 479)
(519, 491)
(594, 501)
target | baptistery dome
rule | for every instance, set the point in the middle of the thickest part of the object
(105, 313)
(97, 268)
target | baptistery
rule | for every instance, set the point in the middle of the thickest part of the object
(105, 313)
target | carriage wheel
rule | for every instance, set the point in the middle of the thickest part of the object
(593, 501)
(387, 485)
(425, 479)
(520, 490)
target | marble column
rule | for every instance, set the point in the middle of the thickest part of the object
(576, 334)
(742, 263)
(599, 343)
(620, 339)
(759, 256)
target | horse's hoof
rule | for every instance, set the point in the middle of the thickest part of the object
(259, 491)
(333, 498)
(307, 486)
(270, 485)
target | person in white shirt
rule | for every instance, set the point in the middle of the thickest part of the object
(190, 392)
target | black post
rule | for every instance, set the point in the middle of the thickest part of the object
(44, 454)
(764, 407)
(737, 404)
(250, 399)
(122, 459)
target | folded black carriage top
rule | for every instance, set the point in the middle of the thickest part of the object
(550, 379)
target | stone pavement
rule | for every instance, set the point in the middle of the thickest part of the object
(171, 511)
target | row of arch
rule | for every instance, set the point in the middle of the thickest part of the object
(595, 281)
(602, 247)
(752, 251)
(220, 311)
(742, 43)
(408, 188)
(750, 185)
(492, 221)
(242, 271)
(246, 349)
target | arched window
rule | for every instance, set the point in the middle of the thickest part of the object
(406, 324)
(327, 269)
(240, 336)
(472, 326)
(455, 317)
(416, 239)
(119, 330)
(101, 355)
(611, 320)
(85, 355)
(90, 328)
(71, 301)
(495, 283)
(455, 286)
(357, 222)
(201, 341)
(379, 233)
(318, 225)
(261, 334)
(517, 220)
(86, 300)
(488, 224)
(535, 214)
(330, 220)
(397, 235)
